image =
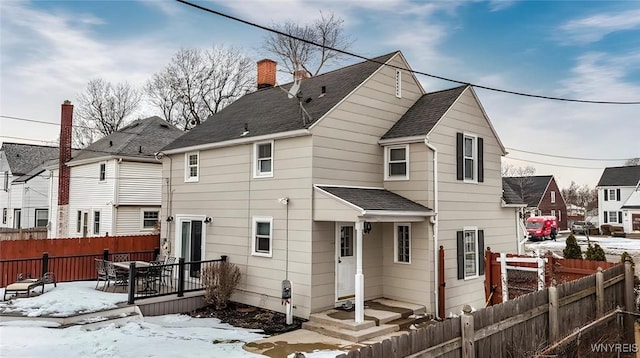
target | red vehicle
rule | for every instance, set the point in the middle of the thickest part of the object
(542, 227)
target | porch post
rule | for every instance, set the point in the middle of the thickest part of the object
(359, 275)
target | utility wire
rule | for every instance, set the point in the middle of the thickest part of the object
(566, 157)
(553, 165)
(352, 54)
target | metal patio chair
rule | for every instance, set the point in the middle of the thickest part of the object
(101, 271)
(167, 271)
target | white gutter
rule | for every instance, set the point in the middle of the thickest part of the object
(434, 221)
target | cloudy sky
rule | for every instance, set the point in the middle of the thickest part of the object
(589, 50)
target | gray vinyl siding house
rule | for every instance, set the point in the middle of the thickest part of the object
(292, 192)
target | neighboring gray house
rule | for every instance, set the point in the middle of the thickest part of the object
(619, 197)
(115, 183)
(347, 188)
(24, 191)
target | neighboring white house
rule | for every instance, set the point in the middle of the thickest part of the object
(618, 197)
(115, 183)
(347, 188)
(24, 191)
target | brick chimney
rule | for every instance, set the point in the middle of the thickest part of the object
(266, 73)
(301, 74)
(64, 177)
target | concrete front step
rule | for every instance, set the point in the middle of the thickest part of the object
(332, 318)
(349, 334)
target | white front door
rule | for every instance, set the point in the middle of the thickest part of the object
(345, 262)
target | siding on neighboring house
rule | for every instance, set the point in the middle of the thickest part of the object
(228, 192)
(34, 194)
(129, 219)
(88, 194)
(559, 206)
(139, 183)
(468, 204)
(614, 205)
(53, 199)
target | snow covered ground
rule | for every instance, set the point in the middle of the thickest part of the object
(160, 336)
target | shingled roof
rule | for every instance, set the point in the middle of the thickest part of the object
(374, 198)
(509, 195)
(620, 176)
(529, 188)
(142, 138)
(23, 158)
(269, 110)
(424, 114)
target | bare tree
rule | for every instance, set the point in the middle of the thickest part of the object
(631, 162)
(582, 196)
(328, 31)
(199, 83)
(103, 109)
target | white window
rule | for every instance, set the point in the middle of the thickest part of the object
(559, 215)
(398, 83)
(402, 247)
(262, 235)
(470, 158)
(150, 219)
(103, 171)
(96, 222)
(192, 167)
(613, 216)
(79, 221)
(470, 252)
(4, 215)
(553, 198)
(553, 213)
(263, 164)
(612, 195)
(397, 163)
(42, 217)
(5, 181)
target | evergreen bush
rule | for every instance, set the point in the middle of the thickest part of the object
(595, 253)
(572, 250)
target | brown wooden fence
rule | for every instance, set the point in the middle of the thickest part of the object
(519, 327)
(33, 248)
(560, 270)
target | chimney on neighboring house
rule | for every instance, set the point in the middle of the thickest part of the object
(301, 75)
(66, 122)
(266, 73)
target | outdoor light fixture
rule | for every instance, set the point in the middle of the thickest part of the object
(169, 218)
(208, 219)
(367, 227)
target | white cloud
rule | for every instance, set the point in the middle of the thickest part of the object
(594, 28)
(499, 5)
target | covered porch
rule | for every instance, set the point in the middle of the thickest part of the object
(379, 231)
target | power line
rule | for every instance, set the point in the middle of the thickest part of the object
(566, 157)
(344, 52)
(554, 165)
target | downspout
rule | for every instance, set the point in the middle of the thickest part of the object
(434, 221)
(115, 203)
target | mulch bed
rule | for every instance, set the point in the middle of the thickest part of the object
(245, 316)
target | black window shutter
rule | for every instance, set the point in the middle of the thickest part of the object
(460, 253)
(606, 195)
(480, 160)
(459, 156)
(481, 252)
(620, 217)
(606, 217)
(618, 194)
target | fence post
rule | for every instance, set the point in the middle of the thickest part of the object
(503, 277)
(45, 263)
(131, 290)
(629, 302)
(181, 267)
(541, 278)
(223, 258)
(554, 324)
(466, 321)
(105, 254)
(599, 293)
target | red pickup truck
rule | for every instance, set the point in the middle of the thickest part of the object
(542, 227)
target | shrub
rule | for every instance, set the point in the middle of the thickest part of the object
(220, 280)
(595, 253)
(572, 250)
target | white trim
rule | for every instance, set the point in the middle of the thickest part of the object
(474, 147)
(178, 233)
(256, 167)
(395, 243)
(187, 172)
(76, 162)
(397, 213)
(478, 253)
(387, 159)
(142, 211)
(402, 140)
(255, 221)
(232, 142)
(552, 193)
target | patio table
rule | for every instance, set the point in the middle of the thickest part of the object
(141, 266)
